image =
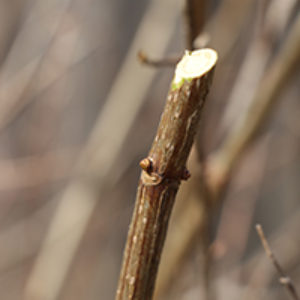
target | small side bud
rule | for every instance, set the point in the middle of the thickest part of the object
(146, 165)
(185, 174)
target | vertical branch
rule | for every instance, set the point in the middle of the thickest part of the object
(194, 12)
(162, 172)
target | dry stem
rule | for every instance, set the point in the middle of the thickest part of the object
(163, 170)
(194, 15)
(284, 279)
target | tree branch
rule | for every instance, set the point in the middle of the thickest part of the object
(163, 62)
(162, 172)
(284, 279)
(194, 17)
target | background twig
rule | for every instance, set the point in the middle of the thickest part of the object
(163, 170)
(284, 279)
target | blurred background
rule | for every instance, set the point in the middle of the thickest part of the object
(78, 111)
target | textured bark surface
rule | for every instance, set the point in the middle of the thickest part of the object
(162, 172)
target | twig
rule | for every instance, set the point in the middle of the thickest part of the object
(236, 216)
(194, 13)
(258, 273)
(170, 61)
(226, 25)
(163, 170)
(194, 20)
(15, 92)
(189, 24)
(284, 279)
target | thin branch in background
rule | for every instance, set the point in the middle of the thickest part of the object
(194, 20)
(15, 92)
(236, 216)
(284, 279)
(162, 173)
(194, 16)
(285, 241)
(82, 194)
(225, 26)
(259, 52)
(163, 62)
(220, 164)
(189, 25)
(36, 170)
(16, 83)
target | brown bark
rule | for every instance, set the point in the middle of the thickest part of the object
(162, 172)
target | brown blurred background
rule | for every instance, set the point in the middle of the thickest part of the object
(78, 112)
